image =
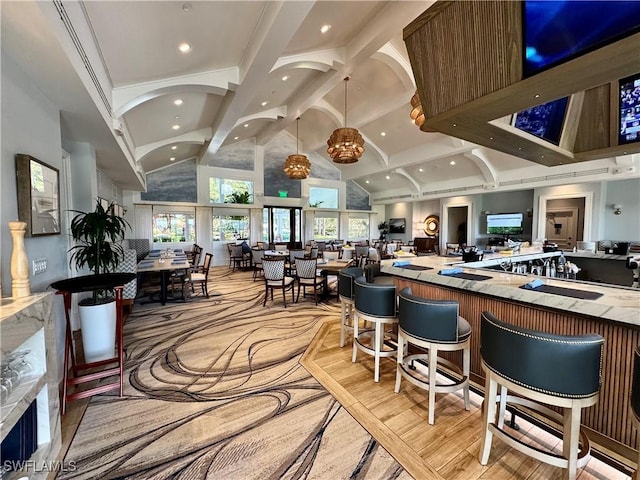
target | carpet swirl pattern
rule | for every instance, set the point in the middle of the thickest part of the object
(214, 390)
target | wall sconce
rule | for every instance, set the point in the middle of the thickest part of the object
(617, 209)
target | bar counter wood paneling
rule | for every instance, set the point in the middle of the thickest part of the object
(609, 421)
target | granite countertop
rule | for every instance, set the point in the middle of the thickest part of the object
(620, 304)
(9, 306)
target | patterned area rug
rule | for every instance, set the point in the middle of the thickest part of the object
(214, 390)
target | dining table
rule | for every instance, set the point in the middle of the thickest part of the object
(332, 267)
(164, 262)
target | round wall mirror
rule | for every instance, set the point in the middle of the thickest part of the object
(432, 225)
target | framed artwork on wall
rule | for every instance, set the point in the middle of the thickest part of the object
(38, 190)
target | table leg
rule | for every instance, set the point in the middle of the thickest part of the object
(163, 286)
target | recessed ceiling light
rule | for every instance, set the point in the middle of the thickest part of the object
(174, 147)
(537, 95)
(186, 7)
(235, 138)
(325, 28)
(452, 162)
(184, 47)
(454, 124)
(421, 169)
(176, 127)
(177, 102)
(172, 158)
(264, 104)
(383, 134)
(541, 156)
(490, 138)
(285, 78)
(387, 177)
(366, 181)
(177, 116)
(245, 125)
(519, 148)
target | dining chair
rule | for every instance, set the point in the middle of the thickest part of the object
(275, 278)
(258, 256)
(198, 275)
(239, 258)
(291, 263)
(307, 275)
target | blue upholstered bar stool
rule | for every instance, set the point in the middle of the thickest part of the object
(557, 370)
(635, 401)
(346, 279)
(375, 304)
(432, 325)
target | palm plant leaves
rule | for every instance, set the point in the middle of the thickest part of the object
(98, 235)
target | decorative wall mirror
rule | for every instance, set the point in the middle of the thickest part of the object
(432, 225)
(38, 196)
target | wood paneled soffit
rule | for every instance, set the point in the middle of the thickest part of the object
(467, 63)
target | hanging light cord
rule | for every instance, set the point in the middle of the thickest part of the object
(346, 79)
(297, 122)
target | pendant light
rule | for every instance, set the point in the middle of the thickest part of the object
(297, 166)
(345, 145)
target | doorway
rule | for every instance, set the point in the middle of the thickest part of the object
(556, 204)
(455, 225)
(282, 225)
(562, 227)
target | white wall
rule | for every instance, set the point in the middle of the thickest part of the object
(30, 125)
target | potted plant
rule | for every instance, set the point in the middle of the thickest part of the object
(98, 236)
(238, 197)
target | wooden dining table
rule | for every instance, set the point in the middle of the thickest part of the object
(332, 267)
(164, 264)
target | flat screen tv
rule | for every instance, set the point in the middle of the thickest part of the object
(504, 223)
(629, 110)
(397, 225)
(544, 121)
(558, 30)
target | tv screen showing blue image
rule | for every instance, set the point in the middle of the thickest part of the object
(544, 121)
(629, 110)
(558, 30)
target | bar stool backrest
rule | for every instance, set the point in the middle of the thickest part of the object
(375, 300)
(566, 366)
(435, 320)
(346, 279)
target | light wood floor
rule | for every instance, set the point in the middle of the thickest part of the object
(447, 450)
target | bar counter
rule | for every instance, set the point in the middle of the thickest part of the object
(615, 315)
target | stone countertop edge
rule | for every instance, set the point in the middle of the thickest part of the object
(616, 304)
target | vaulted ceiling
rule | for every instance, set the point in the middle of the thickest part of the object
(115, 70)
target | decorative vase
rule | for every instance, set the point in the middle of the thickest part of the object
(19, 261)
(98, 327)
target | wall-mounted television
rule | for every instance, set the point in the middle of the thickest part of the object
(544, 121)
(629, 108)
(504, 223)
(397, 225)
(558, 30)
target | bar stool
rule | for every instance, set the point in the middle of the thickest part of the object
(635, 400)
(557, 370)
(375, 304)
(346, 278)
(432, 325)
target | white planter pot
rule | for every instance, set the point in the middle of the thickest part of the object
(98, 325)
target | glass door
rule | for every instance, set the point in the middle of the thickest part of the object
(282, 225)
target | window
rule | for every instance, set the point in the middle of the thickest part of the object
(325, 228)
(227, 228)
(174, 227)
(224, 190)
(358, 228)
(323, 197)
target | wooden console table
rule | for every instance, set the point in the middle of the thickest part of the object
(89, 283)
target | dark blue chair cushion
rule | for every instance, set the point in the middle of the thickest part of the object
(246, 248)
